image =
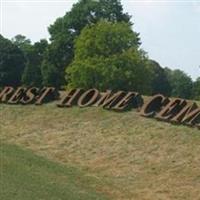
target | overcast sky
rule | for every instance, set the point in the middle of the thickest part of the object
(169, 30)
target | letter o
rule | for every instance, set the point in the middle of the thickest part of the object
(88, 98)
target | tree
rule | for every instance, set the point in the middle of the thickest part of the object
(159, 81)
(196, 89)
(64, 31)
(34, 55)
(50, 75)
(22, 42)
(87, 12)
(107, 57)
(32, 75)
(180, 82)
(11, 63)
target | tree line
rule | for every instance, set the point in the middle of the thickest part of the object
(92, 45)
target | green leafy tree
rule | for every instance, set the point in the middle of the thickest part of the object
(180, 82)
(107, 57)
(159, 80)
(11, 63)
(32, 75)
(196, 89)
(50, 75)
(22, 42)
(34, 55)
(65, 29)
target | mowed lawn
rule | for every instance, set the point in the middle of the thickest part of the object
(119, 156)
(25, 176)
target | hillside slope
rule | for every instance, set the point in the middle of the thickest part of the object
(26, 176)
(131, 156)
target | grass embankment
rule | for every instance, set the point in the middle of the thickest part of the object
(25, 176)
(128, 156)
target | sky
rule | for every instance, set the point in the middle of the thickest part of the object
(169, 30)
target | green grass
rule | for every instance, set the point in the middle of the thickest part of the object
(129, 157)
(27, 176)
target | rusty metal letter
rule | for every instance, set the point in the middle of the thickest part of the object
(15, 98)
(150, 108)
(30, 95)
(108, 100)
(46, 92)
(88, 98)
(70, 98)
(184, 112)
(171, 109)
(5, 93)
(190, 117)
(125, 101)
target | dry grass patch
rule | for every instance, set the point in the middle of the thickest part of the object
(136, 158)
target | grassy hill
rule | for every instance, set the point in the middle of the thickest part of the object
(118, 156)
(27, 176)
